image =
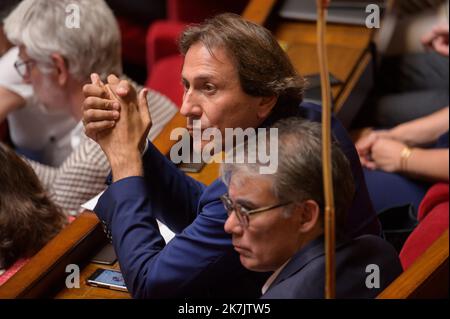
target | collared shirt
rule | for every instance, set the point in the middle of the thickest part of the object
(274, 276)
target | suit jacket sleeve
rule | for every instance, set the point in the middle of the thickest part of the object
(361, 216)
(175, 196)
(191, 260)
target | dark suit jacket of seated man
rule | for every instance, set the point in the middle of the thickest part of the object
(364, 265)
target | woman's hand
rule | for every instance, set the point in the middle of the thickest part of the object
(386, 155)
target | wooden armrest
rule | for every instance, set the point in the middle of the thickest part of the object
(426, 278)
(161, 40)
(45, 273)
(163, 142)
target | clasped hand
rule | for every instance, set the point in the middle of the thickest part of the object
(437, 39)
(379, 150)
(118, 119)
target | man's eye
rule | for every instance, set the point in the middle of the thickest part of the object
(185, 85)
(209, 88)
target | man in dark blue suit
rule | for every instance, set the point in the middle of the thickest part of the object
(277, 221)
(235, 76)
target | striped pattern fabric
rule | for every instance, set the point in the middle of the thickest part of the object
(83, 174)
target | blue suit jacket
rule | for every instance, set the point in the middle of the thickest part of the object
(303, 276)
(361, 217)
(200, 260)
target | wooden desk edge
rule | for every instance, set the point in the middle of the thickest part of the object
(421, 272)
(58, 250)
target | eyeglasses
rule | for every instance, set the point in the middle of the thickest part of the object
(243, 214)
(23, 67)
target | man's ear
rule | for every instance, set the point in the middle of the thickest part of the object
(266, 105)
(62, 69)
(309, 213)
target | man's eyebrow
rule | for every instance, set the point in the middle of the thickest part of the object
(246, 203)
(201, 77)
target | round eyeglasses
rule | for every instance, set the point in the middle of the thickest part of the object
(23, 67)
(243, 214)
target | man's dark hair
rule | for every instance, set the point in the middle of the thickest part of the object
(264, 68)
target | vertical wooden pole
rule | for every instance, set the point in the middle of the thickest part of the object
(322, 6)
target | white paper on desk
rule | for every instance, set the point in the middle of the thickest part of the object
(164, 230)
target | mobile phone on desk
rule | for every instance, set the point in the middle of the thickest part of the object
(107, 278)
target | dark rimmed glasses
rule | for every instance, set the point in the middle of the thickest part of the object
(243, 214)
(23, 67)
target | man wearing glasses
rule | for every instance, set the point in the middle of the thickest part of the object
(24, 67)
(276, 221)
(34, 132)
(56, 61)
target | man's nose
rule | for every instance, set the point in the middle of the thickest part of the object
(232, 225)
(191, 106)
(26, 79)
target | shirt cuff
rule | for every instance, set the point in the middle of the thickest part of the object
(145, 147)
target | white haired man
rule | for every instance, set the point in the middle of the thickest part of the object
(45, 138)
(57, 60)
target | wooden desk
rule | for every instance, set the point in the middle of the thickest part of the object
(88, 292)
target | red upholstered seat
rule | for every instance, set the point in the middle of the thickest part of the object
(433, 221)
(163, 60)
(162, 39)
(133, 41)
(166, 78)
